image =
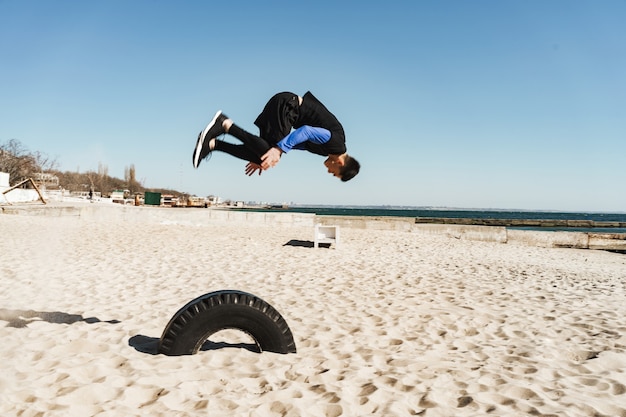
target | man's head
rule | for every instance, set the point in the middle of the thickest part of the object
(342, 166)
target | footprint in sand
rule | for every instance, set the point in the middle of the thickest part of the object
(520, 393)
(581, 355)
(464, 401)
(618, 389)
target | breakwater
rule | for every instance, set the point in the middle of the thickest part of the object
(540, 223)
(597, 222)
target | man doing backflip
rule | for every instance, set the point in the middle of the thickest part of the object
(315, 129)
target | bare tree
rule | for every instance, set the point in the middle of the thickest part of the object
(20, 163)
(43, 162)
(101, 179)
(130, 176)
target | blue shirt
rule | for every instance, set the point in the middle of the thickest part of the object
(297, 138)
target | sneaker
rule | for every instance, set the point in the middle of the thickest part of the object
(212, 130)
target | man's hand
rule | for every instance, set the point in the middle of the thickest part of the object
(271, 158)
(251, 168)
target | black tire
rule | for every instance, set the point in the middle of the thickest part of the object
(194, 323)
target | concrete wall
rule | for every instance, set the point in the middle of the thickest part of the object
(548, 239)
(151, 214)
(615, 241)
(364, 222)
(18, 195)
(500, 234)
(482, 233)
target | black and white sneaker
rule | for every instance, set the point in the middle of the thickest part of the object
(212, 130)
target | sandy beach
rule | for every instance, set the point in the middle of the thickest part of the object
(392, 323)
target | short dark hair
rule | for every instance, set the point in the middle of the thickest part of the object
(350, 168)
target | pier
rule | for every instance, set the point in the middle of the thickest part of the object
(586, 224)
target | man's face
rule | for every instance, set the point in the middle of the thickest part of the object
(334, 165)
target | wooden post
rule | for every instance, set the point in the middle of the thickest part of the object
(24, 182)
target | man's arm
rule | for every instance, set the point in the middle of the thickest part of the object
(303, 134)
(294, 140)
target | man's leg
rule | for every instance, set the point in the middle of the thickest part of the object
(212, 130)
(252, 149)
(238, 151)
(256, 144)
(274, 123)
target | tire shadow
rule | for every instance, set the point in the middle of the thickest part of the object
(145, 344)
(209, 345)
(21, 318)
(150, 345)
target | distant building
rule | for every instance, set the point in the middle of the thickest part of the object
(169, 200)
(43, 179)
(118, 196)
(214, 200)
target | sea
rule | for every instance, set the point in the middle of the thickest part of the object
(466, 213)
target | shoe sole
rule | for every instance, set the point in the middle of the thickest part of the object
(201, 138)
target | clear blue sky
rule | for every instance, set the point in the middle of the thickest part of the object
(472, 104)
